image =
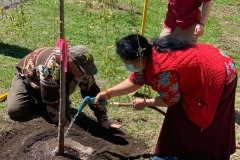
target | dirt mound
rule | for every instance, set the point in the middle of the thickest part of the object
(36, 139)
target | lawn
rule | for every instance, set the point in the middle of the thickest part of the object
(98, 26)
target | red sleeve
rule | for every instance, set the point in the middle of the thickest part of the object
(166, 84)
(137, 78)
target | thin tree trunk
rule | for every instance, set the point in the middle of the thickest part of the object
(62, 84)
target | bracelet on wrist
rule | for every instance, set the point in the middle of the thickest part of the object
(201, 24)
(108, 94)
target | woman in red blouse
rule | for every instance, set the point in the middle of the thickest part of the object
(197, 82)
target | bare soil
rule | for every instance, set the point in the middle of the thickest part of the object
(36, 139)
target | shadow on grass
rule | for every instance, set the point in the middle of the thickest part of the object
(13, 50)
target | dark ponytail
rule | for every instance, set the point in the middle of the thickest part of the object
(170, 43)
(133, 46)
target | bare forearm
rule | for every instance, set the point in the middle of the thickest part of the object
(206, 8)
(123, 88)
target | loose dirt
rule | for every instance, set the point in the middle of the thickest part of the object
(37, 139)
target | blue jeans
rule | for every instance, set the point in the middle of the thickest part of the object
(165, 158)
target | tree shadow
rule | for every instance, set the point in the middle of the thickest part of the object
(95, 129)
(13, 50)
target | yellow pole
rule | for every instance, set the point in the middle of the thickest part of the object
(3, 96)
(144, 17)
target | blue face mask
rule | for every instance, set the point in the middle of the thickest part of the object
(131, 68)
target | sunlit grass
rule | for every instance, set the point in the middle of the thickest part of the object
(98, 28)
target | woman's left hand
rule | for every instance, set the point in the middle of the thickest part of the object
(199, 30)
(139, 104)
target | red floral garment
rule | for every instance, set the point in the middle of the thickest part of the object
(231, 69)
(166, 83)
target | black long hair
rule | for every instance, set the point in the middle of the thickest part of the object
(133, 46)
(171, 43)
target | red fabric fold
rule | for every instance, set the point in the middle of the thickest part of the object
(60, 43)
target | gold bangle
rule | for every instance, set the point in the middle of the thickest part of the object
(108, 94)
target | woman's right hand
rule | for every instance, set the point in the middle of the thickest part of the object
(101, 96)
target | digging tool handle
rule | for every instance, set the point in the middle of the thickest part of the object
(88, 100)
(157, 109)
(131, 104)
(118, 104)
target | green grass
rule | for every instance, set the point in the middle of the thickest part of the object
(98, 28)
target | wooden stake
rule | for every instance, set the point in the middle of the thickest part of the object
(62, 85)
